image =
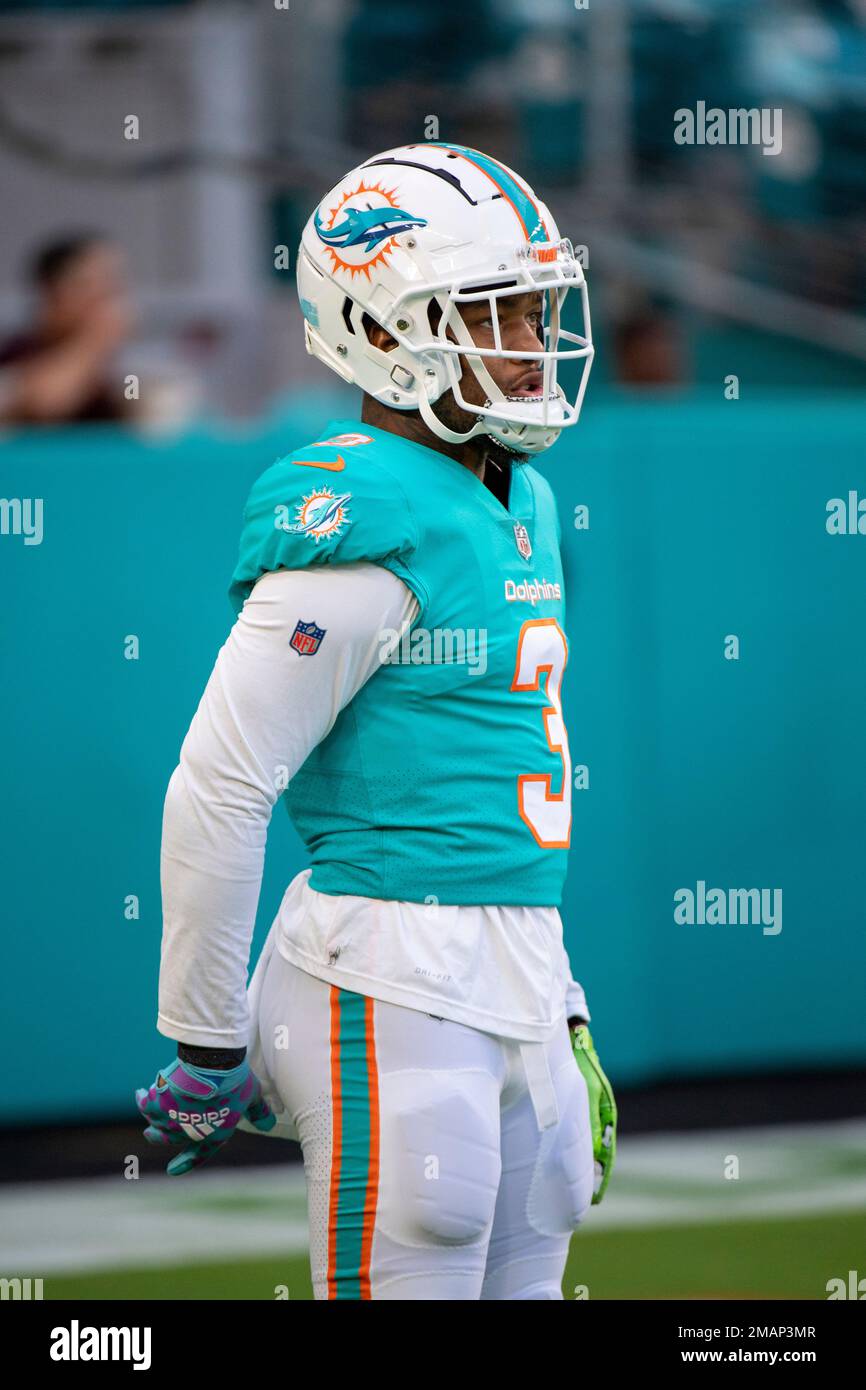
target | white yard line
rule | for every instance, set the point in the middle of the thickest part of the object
(660, 1180)
(111, 1223)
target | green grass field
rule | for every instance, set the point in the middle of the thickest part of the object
(673, 1224)
(748, 1259)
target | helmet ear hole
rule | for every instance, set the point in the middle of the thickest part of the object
(377, 336)
(347, 315)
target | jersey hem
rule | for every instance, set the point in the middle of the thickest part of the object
(349, 888)
(406, 574)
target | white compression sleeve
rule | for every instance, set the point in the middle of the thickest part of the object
(263, 711)
(575, 999)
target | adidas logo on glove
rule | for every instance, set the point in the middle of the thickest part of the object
(198, 1124)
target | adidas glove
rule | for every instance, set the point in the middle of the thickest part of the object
(602, 1107)
(199, 1110)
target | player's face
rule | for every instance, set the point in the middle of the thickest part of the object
(520, 328)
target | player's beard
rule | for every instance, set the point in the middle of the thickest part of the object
(461, 421)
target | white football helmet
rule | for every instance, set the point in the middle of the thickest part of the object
(438, 222)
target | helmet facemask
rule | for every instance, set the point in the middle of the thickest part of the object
(520, 424)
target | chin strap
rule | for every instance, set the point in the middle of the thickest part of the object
(431, 419)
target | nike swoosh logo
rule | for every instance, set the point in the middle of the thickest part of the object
(333, 466)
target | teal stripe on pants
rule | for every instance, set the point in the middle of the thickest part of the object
(354, 1156)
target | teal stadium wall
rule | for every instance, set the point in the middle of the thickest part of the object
(707, 517)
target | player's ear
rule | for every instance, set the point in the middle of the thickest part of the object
(377, 335)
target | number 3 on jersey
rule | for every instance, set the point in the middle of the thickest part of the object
(541, 647)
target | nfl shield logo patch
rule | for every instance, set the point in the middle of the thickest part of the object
(521, 535)
(306, 638)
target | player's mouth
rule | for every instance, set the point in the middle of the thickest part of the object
(529, 386)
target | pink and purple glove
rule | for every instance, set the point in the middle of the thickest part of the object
(200, 1109)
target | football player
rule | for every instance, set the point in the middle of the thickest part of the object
(395, 672)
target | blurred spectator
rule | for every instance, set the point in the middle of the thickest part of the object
(647, 346)
(59, 370)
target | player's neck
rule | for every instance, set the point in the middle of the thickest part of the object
(472, 455)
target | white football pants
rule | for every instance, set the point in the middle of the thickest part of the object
(429, 1174)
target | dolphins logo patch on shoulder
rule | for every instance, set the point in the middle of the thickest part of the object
(321, 514)
(359, 232)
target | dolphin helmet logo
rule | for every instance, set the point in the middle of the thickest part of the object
(359, 232)
(367, 227)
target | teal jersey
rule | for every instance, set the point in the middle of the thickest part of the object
(447, 777)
